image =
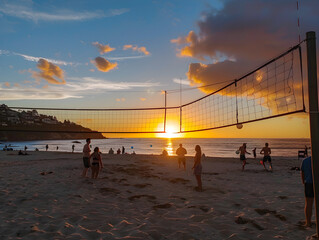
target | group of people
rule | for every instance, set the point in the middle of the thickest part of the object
(266, 151)
(111, 151)
(96, 164)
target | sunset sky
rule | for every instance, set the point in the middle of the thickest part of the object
(123, 54)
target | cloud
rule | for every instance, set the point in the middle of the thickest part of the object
(103, 65)
(103, 48)
(36, 59)
(73, 88)
(32, 93)
(251, 30)
(136, 48)
(88, 83)
(28, 13)
(50, 72)
(120, 99)
(182, 81)
(7, 84)
(143, 99)
(241, 36)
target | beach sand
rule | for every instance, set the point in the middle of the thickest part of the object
(42, 196)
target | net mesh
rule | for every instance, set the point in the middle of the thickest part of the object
(269, 91)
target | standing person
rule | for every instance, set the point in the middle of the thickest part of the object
(73, 148)
(181, 152)
(242, 156)
(306, 178)
(123, 150)
(254, 153)
(266, 151)
(46, 147)
(118, 151)
(25, 148)
(86, 157)
(57, 148)
(97, 164)
(198, 168)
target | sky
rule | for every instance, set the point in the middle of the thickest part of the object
(124, 54)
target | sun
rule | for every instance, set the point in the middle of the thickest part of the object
(171, 132)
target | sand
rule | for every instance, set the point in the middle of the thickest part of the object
(42, 196)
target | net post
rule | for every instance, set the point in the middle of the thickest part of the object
(165, 110)
(313, 117)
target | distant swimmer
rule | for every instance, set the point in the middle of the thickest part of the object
(164, 153)
(242, 156)
(46, 147)
(198, 168)
(254, 153)
(266, 151)
(57, 148)
(111, 151)
(181, 152)
(73, 148)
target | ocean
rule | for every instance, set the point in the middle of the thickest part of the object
(213, 147)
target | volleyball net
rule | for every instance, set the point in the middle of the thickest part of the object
(271, 90)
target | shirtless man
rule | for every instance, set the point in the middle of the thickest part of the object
(86, 157)
(266, 151)
(180, 152)
(242, 151)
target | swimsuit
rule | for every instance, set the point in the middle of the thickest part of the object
(95, 163)
(242, 157)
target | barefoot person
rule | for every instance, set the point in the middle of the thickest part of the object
(86, 157)
(97, 164)
(181, 152)
(242, 156)
(198, 168)
(306, 178)
(266, 151)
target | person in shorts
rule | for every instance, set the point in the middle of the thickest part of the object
(181, 152)
(306, 178)
(86, 157)
(266, 151)
(242, 150)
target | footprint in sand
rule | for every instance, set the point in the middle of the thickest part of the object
(265, 211)
(105, 191)
(165, 205)
(149, 197)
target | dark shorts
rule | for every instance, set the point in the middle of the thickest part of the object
(182, 160)
(96, 164)
(86, 162)
(242, 157)
(267, 159)
(309, 190)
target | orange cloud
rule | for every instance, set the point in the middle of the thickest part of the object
(136, 48)
(120, 99)
(103, 48)
(103, 65)
(7, 84)
(17, 85)
(49, 72)
(143, 99)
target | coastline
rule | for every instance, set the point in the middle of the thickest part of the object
(148, 197)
